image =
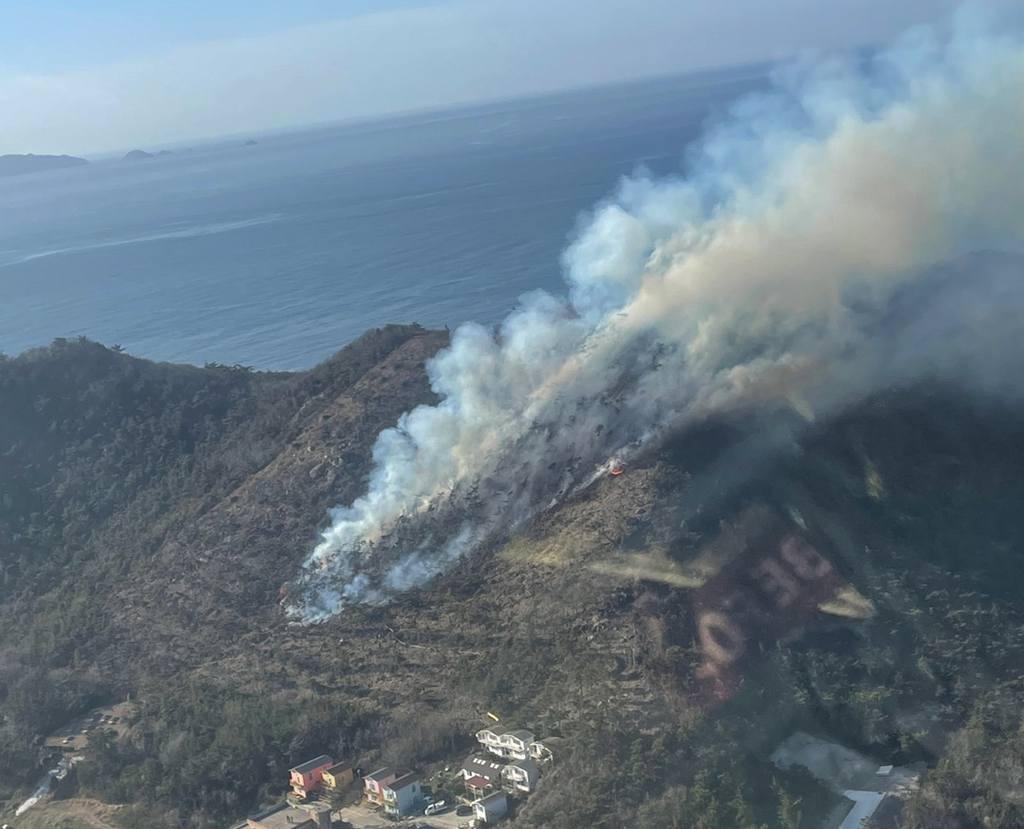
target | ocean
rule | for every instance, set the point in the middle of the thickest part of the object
(276, 254)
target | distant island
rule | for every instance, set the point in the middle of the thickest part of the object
(16, 165)
(249, 143)
(137, 155)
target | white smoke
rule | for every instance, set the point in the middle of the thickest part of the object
(791, 266)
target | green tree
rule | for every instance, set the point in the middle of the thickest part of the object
(789, 812)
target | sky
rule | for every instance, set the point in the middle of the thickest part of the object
(91, 76)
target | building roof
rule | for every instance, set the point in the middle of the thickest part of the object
(493, 797)
(403, 781)
(496, 730)
(338, 768)
(841, 768)
(283, 817)
(316, 762)
(381, 774)
(528, 765)
(521, 734)
(477, 782)
(864, 806)
(487, 769)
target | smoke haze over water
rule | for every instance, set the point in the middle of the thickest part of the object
(799, 263)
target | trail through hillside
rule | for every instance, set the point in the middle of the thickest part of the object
(93, 812)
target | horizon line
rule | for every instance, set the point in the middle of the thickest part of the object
(455, 108)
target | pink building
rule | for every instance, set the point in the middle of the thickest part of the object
(375, 784)
(308, 777)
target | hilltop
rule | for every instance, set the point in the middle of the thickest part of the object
(153, 516)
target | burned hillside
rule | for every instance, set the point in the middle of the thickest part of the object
(585, 621)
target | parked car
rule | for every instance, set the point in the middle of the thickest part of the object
(435, 808)
(463, 810)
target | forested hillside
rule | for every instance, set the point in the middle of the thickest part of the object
(153, 516)
(109, 462)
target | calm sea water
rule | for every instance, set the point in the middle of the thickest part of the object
(277, 254)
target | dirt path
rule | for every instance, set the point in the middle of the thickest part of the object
(93, 812)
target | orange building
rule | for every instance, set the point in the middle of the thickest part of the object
(308, 777)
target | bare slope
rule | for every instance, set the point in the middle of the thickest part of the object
(218, 577)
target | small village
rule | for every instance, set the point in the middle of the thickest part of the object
(328, 793)
(498, 775)
(490, 782)
(504, 770)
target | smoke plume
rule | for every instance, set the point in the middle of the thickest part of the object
(822, 245)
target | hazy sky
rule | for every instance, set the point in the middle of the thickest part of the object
(88, 76)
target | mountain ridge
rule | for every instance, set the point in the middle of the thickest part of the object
(15, 165)
(152, 516)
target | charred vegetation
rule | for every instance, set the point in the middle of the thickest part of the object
(152, 514)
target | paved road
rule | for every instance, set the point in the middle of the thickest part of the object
(447, 820)
(363, 818)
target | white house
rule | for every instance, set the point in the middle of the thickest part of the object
(516, 744)
(492, 808)
(403, 796)
(509, 744)
(520, 776)
(490, 738)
